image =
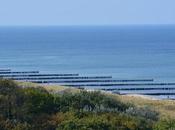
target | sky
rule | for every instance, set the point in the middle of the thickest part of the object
(86, 12)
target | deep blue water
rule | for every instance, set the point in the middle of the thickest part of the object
(125, 52)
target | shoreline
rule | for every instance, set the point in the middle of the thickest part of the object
(146, 88)
(58, 88)
(165, 107)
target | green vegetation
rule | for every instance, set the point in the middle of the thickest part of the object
(35, 108)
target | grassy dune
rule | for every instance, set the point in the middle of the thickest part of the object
(165, 107)
(50, 88)
(27, 106)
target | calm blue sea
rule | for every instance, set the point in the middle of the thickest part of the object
(125, 52)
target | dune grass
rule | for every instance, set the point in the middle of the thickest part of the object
(48, 87)
(166, 108)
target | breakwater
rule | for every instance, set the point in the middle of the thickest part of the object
(88, 81)
(125, 84)
(5, 70)
(18, 72)
(35, 75)
(105, 83)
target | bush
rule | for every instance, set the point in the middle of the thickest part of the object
(166, 124)
(103, 121)
(37, 109)
(143, 112)
(90, 101)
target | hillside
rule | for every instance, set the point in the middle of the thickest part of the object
(26, 106)
(165, 107)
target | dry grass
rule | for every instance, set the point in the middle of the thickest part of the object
(50, 88)
(166, 108)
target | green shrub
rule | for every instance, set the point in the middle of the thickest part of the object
(37, 109)
(145, 112)
(166, 124)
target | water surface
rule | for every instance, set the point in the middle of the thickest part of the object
(125, 52)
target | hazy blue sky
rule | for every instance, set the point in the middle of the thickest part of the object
(86, 12)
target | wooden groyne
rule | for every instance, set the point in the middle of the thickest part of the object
(5, 70)
(88, 81)
(59, 78)
(123, 84)
(106, 83)
(134, 89)
(158, 94)
(35, 75)
(18, 72)
(150, 94)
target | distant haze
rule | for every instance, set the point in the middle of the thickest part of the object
(86, 12)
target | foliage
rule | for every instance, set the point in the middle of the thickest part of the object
(103, 121)
(36, 109)
(166, 124)
(145, 112)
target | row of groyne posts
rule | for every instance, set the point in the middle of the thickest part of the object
(105, 83)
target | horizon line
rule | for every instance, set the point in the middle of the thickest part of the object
(86, 25)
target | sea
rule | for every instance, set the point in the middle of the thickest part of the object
(123, 52)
